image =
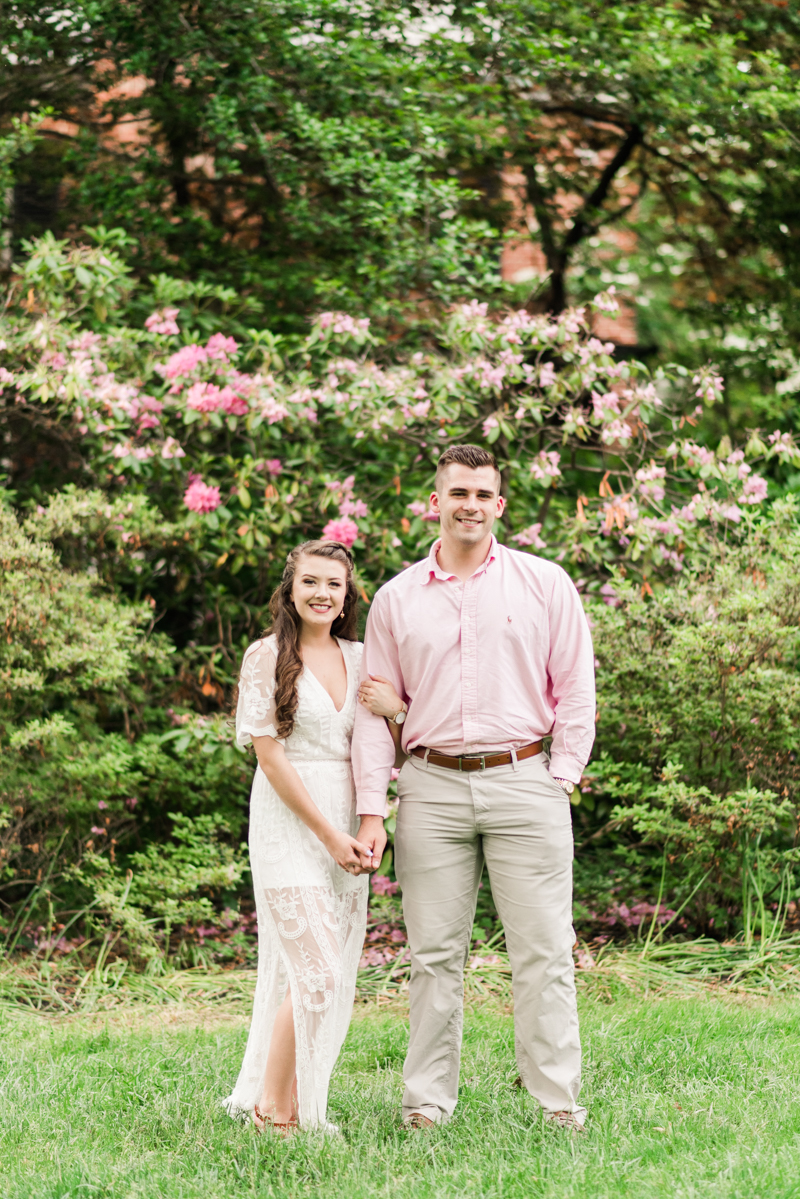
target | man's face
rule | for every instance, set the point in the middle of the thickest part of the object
(468, 503)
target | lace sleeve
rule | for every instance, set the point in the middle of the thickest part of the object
(255, 712)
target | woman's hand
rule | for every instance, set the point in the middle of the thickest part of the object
(379, 696)
(348, 853)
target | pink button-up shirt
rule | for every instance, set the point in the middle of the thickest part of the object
(492, 663)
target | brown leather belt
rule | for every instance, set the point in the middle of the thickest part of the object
(482, 762)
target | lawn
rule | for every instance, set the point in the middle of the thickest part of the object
(689, 1097)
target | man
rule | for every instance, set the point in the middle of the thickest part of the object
(491, 650)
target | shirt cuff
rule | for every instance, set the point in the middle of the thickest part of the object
(371, 803)
(562, 767)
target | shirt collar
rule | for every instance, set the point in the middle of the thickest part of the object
(434, 570)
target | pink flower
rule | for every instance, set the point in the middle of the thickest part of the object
(98, 831)
(605, 405)
(102, 805)
(530, 536)
(350, 507)
(417, 507)
(272, 411)
(172, 449)
(754, 490)
(219, 347)
(163, 322)
(648, 479)
(710, 386)
(232, 403)
(273, 466)
(490, 423)
(487, 375)
(184, 361)
(381, 885)
(697, 455)
(618, 430)
(344, 530)
(342, 323)
(545, 465)
(203, 397)
(131, 802)
(5, 376)
(605, 302)
(547, 375)
(199, 497)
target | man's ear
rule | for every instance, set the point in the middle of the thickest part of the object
(501, 505)
(434, 501)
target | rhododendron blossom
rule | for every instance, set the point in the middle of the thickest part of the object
(183, 362)
(233, 404)
(546, 465)
(530, 536)
(417, 507)
(218, 347)
(649, 480)
(163, 322)
(203, 397)
(273, 466)
(605, 405)
(200, 497)
(710, 386)
(547, 375)
(350, 507)
(698, 455)
(617, 431)
(342, 323)
(604, 301)
(783, 444)
(754, 490)
(344, 530)
(172, 449)
(272, 411)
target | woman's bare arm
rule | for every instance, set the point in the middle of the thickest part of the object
(344, 849)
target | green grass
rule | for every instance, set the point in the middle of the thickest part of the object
(695, 1096)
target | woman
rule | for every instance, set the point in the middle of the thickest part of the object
(297, 696)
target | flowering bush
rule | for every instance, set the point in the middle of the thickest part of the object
(174, 465)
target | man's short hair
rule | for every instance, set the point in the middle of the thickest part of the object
(473, 456)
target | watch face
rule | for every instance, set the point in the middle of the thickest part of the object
(400, 717)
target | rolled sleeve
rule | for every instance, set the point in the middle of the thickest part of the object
(571, 671)
(373, 748)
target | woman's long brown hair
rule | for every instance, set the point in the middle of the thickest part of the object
(286, 625)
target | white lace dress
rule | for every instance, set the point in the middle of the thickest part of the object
(312, 915)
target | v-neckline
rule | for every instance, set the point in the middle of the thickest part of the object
(307, 669)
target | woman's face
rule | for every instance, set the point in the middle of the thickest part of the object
(318, 590)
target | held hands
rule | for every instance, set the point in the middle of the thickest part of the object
(379, 696)
(351, 855)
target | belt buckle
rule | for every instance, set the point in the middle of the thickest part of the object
(483, 762)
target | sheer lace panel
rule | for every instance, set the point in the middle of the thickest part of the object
(255, 712)
(321, 936)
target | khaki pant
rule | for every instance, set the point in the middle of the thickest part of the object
(517, 819)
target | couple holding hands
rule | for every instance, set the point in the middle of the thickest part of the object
(470, 658)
